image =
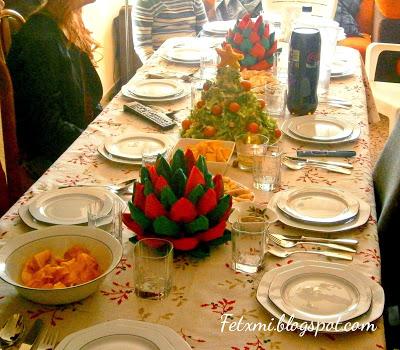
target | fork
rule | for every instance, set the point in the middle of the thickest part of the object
(49, 340)
(284, 253)
(290, 244)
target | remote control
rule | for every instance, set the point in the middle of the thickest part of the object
(156, 117)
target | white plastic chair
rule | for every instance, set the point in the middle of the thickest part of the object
(320, 8)
(386, 95)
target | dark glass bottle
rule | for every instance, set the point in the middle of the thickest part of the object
(303, 71)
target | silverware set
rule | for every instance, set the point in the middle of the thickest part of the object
(341, 248)
(337, 102)
(13, 331)
(296, 163)
(119, 188)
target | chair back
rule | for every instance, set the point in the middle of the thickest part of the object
(4, 202)
(320, 8)
(9, 20)
(373, 54)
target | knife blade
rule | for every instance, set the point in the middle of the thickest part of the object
(32, 335)
(345, 241)
(312, 161)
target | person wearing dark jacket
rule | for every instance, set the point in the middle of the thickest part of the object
(56, 87)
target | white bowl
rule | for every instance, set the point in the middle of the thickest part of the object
(243, 209)
(105, 248)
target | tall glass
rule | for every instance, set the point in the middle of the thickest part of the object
(153, 268)
(245, 146)
(249, 244)
(208, 64)
(267, 168)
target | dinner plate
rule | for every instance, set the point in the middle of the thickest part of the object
(133, 327)
(241, 209)
(68, 206)
(360, 219)
(353, 137)
(319, 205)
(155, 88)
(321, 129)
(318, 294)
(184, 54)
(218, 27)
(125, 90)
(131, 145)
(103, 152)
(374, 312)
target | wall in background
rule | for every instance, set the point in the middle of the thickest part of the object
(99, 18)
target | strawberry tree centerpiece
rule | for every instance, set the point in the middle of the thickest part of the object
(181, 202)
(228, 108)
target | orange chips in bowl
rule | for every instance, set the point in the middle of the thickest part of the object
(44, 270)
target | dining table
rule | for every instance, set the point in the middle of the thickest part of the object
(206, 289)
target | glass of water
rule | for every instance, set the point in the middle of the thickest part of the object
(245, 146)
(249, 244)
(267, 167)
(208, 64)
(153, 268)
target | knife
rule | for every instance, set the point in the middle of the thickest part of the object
(32, 335)
(345, 241)
(318, 153)
(341, 164)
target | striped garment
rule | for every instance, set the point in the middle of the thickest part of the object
(154, 21)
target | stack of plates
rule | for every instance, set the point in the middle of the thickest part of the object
(154, 90)
(128, 148)
(319, 208)
(321, 130)
(64, 206)
(218, 28)
(341, 69)
(183, 54)
(124, 334)
(324, 292)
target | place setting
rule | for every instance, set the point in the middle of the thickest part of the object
(217, 28)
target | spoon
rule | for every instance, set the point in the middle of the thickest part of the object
(301, 165)
(12, 330)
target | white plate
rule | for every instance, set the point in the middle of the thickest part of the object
(360, 219)
(321, 129)
(170, 335)
(318, 294)
(354, 135)
(319, 205)
(155, 88)
(68, 206)
(218, 27)
(184, 54)
(131, 145)
(125, 90)
(102, 150)
(374, 312)
(252, 209)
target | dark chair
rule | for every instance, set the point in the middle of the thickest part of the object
(4, 202)
(387, 194)
(10, 21)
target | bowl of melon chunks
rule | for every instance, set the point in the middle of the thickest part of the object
(218, 153)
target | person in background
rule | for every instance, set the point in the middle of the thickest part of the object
(226, 10)
(155, 21)
(56, 87)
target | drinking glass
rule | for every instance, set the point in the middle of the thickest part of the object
(153, 268)
(267, 168)
(110, 222)
(245, 146)
(275, 99)
(248, 244)
(196, 92)
(208, 64)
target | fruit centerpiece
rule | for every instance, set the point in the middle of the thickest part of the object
(227, 107)
(180, 202)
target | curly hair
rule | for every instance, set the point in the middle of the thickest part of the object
(71, 22)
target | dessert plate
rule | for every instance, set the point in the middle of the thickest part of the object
(103, 152)
(218, 27)
(321, 129)
(319, 205)
(126, 92)
(360, 219)
(155, 88)
(377, 294)
(130, 328)
(68, 206)
(318, 294)
(131, 145)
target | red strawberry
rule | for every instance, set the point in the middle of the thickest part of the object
(207, 202)
(218, 185)
(195, 178)
(272, 49)
(184, 244)
(190, 160)
(153, 207)
(266, 31)
(183, 211)
(153, 174)
(244, 21)
(237, 38)
(213, 233)
(262, 65)
(258, 23)
(160, 184)
(254, 37)
(257, 50)
(139, 197)
(131, 224)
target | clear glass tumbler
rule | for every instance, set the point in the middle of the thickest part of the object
(275, 99)
(249, 244)
(208, 64)
(245, 146)
(153, 268)
(267, 168)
